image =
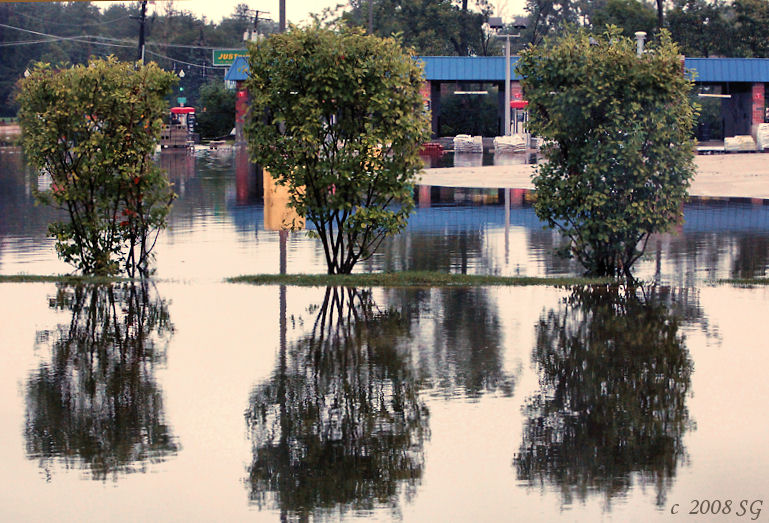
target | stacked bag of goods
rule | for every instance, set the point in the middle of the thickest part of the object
(464, 143)
(741, 143)
(512, 144)
(762, 136)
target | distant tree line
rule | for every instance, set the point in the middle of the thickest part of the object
(175, 39)
(178, 39)
(737, 28)
(702, 28)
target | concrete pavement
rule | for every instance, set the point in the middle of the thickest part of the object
(723, 175)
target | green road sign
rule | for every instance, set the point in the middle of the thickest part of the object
(225, 57)
(181, 100)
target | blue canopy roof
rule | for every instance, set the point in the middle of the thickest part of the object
(238, 71)
(468, 68)
(729, 69)
(492, 69)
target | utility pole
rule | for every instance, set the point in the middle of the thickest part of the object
(142, 20)
(371, 17)
(282, 16)
(254, 34)
(507, 38)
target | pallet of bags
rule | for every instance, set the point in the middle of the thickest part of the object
(464, 143)
(762, 137)
(740, 143)
(510, 144)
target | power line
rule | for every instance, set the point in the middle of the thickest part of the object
(28, 31)
(28, 42)
(204, 66)
(91, 24)
(96, 40)
(122, 40)
(55, 38)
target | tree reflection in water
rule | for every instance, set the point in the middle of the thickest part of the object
(340, 424)
(614, 375)
(96, 404)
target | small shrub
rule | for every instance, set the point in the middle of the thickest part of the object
(93, 129)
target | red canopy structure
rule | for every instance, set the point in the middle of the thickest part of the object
(519, 104)
(182, 110)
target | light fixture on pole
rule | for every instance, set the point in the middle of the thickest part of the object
(181, 99)
(640, 36)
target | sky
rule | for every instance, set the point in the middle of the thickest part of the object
(297, 11)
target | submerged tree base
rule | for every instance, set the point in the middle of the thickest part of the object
(384, 279)
(744, 281)
(410, 279)
(63, 278)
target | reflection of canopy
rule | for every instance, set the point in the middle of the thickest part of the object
(614, 377)
(182, 110)
(340, 424)
(97, 404)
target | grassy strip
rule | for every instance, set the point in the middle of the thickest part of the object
(408, 279)
(60, 278)
(744, 281)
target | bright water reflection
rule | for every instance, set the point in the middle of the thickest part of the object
(428, 404)
(476, 404)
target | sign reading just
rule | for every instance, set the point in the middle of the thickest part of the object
(225, 57)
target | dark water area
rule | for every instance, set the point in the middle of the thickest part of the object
(189, 399)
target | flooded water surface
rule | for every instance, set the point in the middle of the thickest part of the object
(217, 229)
(189, 399)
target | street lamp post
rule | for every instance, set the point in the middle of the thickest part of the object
(496, 23)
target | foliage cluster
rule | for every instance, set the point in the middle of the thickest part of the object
(619, 147)
(432, 27)
(338, 118)
(216, 116)
(700, 27)
(92, 129)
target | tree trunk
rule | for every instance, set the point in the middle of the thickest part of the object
(659, 15)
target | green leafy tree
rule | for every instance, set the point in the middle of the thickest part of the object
(547, 17)
(618, 142)
(752, 27)
(175, 39)
(337, 118)
(217, 115)
(92, 129)
(630, 15)
(432, 27)
(702, 28)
